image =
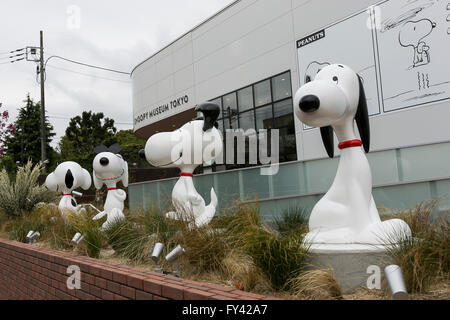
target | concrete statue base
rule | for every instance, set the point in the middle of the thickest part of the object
(354, 265)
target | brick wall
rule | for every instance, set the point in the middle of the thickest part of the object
(33, 272)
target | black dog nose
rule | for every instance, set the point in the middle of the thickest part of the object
(309, 103)
(104, 161)
(142, 154)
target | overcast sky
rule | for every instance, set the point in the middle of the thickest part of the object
(111, 34)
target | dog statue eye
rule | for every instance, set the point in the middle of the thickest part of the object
(335, 79)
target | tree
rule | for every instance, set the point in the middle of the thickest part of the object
(85, 133)
(25, 143)
(6, 129)
(130, 147)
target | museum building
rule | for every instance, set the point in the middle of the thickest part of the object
(252, 56)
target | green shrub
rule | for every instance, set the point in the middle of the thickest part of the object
(128, 240)
(280, 257)
(293, 220)
(59, 232)
(22, 195)
(154, 223)
(205, 247)
(134, 237)
(424, 258)
(91, 230)
(18, 227)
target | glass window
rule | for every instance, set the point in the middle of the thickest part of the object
(284, 122)
(262, 93)
(247, 120)
(264, 118)
(282, 108)
(252, 108)
(245, 99)
(229, 105)
(281, 86)
(218, 101)
(230, 123)
(220, 128)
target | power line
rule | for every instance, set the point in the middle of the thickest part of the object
(86, 65)
(88, 75)
(60, 117)
(12, 51)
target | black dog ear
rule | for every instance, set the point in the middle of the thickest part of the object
(69, 179)
(362, 117)
(115, 148)
(328, 140)
(210, 112)
(100, 149)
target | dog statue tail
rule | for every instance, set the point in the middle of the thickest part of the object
(210, 211)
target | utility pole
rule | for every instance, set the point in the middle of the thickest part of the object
(42, 71)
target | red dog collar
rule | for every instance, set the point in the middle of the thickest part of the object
(350, 144)
(67, 194)
(112, 189)
(186, 174)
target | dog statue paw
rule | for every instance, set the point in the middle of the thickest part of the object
(67, 177)
(196, 142)
(347, 212)
(109, 168)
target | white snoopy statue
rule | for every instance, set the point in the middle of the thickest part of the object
(347, 213)
(109, 168)
(196, 142)
(67, 177)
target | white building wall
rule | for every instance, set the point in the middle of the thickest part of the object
(252, 40)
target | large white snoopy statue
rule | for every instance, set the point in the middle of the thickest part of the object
(67, 177)
(196, 142)
(109, 168)
(347, 213)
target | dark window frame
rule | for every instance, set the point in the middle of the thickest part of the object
(271, 103)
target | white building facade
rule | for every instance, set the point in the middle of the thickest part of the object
(252, 56)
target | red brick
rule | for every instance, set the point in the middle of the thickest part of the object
(153, 286)
(142, 295)
(219, 287)
(219, 297)
(194, 294)
(250, 295)
(96, 291)
(106, 295)
(119, 297)
(223, 293)
(113, 287)
(128, 292)
(120, 277)
(88, 278)
(95, 270)
(107, 274)
(172, 291)
(100, 282)
(159, 298)
(135, 282)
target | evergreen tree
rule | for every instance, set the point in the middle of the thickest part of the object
(25, 143)
(85, 133)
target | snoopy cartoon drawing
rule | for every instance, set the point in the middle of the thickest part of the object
(346, 214)
(196, 142)
(67, 177)
(109, 168)
(412, 34)
(312, 69)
